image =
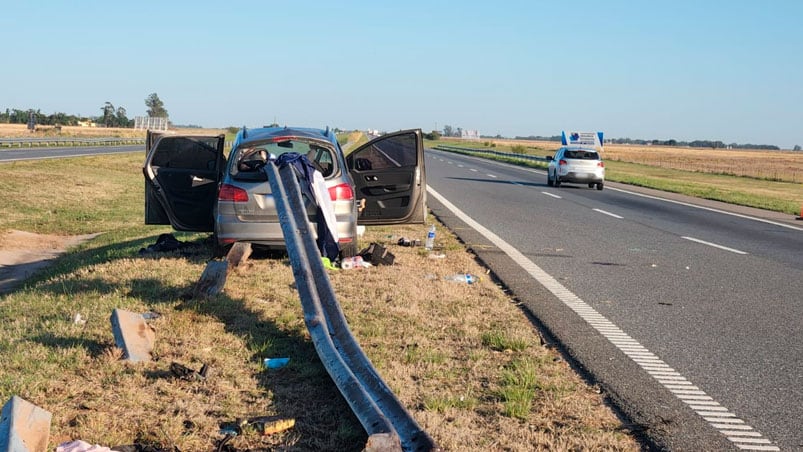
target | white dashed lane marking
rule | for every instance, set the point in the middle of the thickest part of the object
(551, 194)
(733, 428)
(473, 169)
(732, 250)
(608, 213)
(491, 175)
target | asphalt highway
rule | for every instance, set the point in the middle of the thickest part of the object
(18, 154)
(686, 313)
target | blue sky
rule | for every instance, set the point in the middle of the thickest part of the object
(720, 70)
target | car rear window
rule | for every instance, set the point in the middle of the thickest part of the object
(321, 157)
(583, 155)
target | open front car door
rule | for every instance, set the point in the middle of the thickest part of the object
(389, 175)
(182, 174)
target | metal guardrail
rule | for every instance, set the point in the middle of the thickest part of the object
(388, 424)
(70, 141)
(535, 158)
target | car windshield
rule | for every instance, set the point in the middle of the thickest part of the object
(249, 160)
(580, 154)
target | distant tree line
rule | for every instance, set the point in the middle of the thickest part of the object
(110, 116)
(693, 144)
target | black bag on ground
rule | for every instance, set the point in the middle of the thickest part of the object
(377, 254)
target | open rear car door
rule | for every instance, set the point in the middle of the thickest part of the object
(389, 175)
(182, 174)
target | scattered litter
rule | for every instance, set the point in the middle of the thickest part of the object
(164, 243)
(436, 256)
(185, 373)
(467, 278)
(430, 243)
(663, 303)
(360, 230)
(377, 254)
(150, 315)
(349, 263)
(404, 241)
(687, 267)
(78, 319)
(268, 425)
(327, 264)
(276, 363)
(80, 446)
(653, 265)
(264, 425)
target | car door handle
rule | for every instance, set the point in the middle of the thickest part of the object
(197, 181)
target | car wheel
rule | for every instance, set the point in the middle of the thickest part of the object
(557, 181)
(599, 186)
(350, 249)
(591, 185)
(549, 179)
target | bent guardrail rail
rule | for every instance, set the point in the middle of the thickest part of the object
(388, 424)
(69, 141)
(442, 147)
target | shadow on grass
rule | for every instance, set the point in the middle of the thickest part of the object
(92, 347)
(302, 389)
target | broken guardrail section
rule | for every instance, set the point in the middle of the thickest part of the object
(388, 424)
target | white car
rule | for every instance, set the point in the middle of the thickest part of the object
(577, 165)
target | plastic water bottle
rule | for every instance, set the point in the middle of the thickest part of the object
(467, 278)
(430, 243)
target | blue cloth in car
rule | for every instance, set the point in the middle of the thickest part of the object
(305, 170)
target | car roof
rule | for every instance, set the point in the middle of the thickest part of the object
(247, 136)
(579, 148)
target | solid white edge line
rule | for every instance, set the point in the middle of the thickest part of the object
(703, 242)
(575, 303)
(608, 213)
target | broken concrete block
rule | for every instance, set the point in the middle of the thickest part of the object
(383, 442)
(238, 254)
(24, 427)
(212, 280)
(133, 335)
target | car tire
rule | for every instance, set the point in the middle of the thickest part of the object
(351, 249)
(599, 186)
(556, 181)
(591, 185)
(549, 181)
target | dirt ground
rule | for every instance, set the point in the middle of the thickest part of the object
(23, 253)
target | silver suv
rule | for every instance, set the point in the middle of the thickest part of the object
(576, 165)
(191, 185)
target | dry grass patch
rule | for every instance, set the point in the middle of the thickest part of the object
(455, 355)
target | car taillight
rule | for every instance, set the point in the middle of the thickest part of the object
(341, 192)
(562, 162)
(231, 193)
(601, 165)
